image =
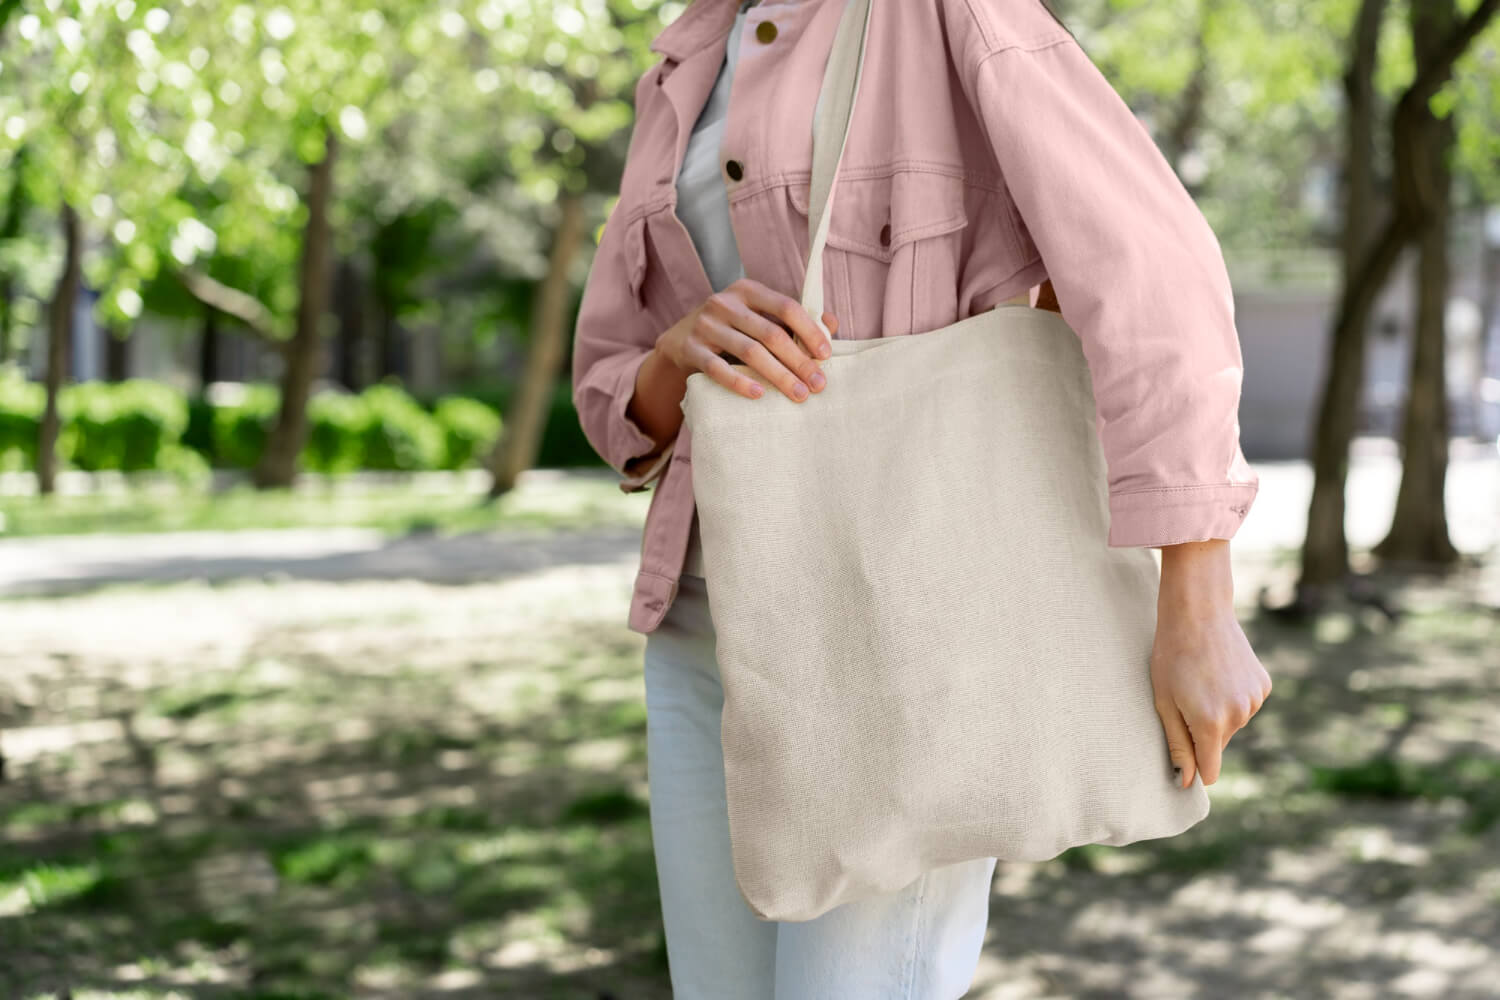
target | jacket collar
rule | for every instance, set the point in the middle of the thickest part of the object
(704, 21)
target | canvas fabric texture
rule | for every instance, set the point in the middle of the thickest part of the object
(929, 651)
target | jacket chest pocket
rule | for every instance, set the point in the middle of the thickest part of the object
(893, 251)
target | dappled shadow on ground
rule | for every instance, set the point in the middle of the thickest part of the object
(383, 790)
(394, 789)
(1352, 849)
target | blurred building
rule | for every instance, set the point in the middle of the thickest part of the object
(1284, 302)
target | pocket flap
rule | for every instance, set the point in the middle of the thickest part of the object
(635, 256)
(915, 204)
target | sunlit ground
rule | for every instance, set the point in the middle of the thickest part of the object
(343, 780)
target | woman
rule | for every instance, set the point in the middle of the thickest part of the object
(987, 159)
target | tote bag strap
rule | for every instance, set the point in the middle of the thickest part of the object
(830, 133)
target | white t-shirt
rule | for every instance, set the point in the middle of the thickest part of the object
(703, 202)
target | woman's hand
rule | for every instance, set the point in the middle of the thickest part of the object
(1207, 680)
(766, 330)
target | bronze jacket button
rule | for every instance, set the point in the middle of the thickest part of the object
(885, 235)
(734, 169)
(766, 31)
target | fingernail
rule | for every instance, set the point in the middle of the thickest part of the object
(824, 350)
(799, 390)
(818, 381)
(757, 390)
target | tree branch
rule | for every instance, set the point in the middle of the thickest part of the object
(1453, 47)
(245, 308)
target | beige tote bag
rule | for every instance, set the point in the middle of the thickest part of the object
(929, 653)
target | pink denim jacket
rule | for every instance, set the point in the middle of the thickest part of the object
(987, 154)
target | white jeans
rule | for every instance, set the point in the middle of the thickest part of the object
(921, 942)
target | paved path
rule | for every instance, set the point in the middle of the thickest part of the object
(69, 563)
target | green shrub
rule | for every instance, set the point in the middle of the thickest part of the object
(188, 467)
(199, 433)
(240, 427)
(120, 425)
(563, 443)
(139, 424)
(470, 429)
(21, 404)
(338, 425)
(401, 435)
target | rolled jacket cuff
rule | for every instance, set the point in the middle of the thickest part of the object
(1175, 514)
(628, 444)
(636, 482)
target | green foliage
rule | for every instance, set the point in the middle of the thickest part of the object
(138, 425)
(337, 431)
(190, 468)
(563, 442)
(334, 860)
(469, 429)
(21, 404)
(126, 426)
(604, 807)
(382, 428)
(240, 427)
(199, 434)
(120, 425)
(400, 435)
(1473, 779)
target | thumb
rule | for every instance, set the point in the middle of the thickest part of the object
(1179, 743)
(831, 322)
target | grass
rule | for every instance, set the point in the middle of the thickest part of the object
(1468, 778)
(418, 504)
(354, 803)
(382, 789)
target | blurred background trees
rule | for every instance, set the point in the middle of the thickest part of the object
(274, 208)
(339, 191)
(341, 245)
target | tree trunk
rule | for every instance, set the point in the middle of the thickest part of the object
(349, 304)
(117, 343)
(304, 356)
(1325, 556)
(1182, 133)
(210, 349)
(521, 437)
(1419, 529)
(392, 344)
(1325, 549)
(60, 335)
(1489, 314)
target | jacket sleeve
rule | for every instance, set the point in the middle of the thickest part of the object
(1139, 275)
(611, 340)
